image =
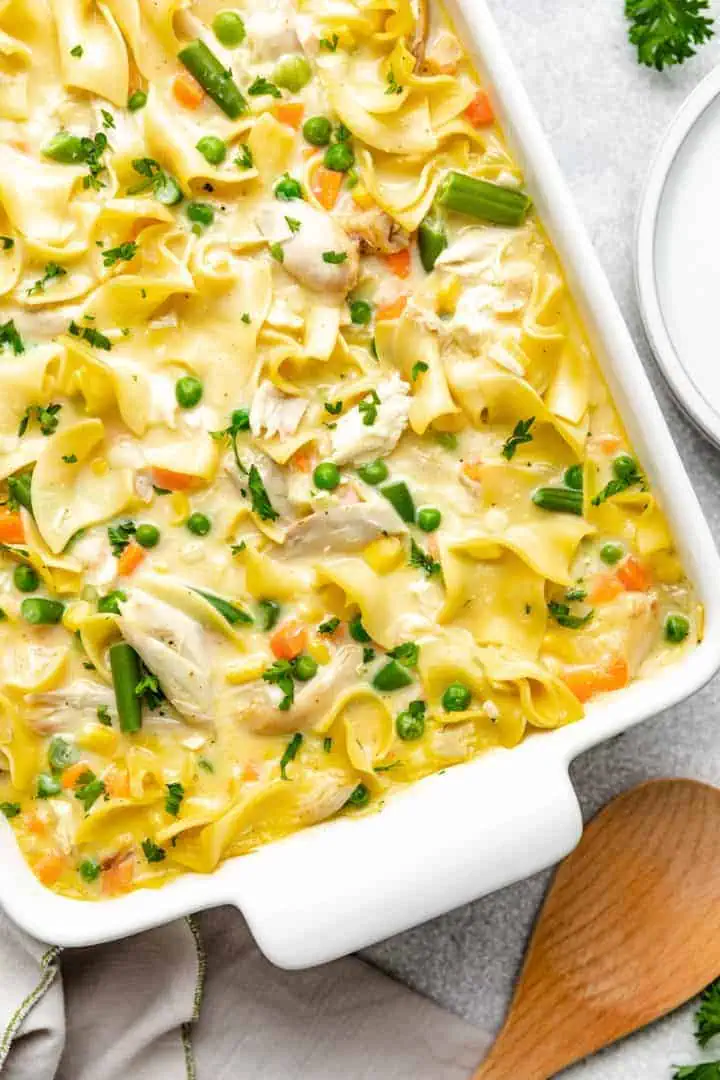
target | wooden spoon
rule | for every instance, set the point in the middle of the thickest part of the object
(630, 929)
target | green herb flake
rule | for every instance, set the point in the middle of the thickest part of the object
(10, 809)
(334, 257)
(88, 789)
(151, 851)
(174, 797)
(418, 369)
(563, 616)
(281, 674)
(290, 753)
(261, 504)
(122, 252)
(10, 338)
(422, 561)
(261, 86)
(521, 434)
(368, 408)
(329, 626)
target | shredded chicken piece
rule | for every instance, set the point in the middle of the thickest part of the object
(341, 529)
(315, 249)
(374, 231)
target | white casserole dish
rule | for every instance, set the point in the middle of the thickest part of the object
(477, 827)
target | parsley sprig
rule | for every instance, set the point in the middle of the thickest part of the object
(563, 616)
(10, 338)
(368, 408)
(117, 254)
(521, 434)
(261, 504)
(666, 32)
(46, 417)
(422, 561)
(707, 1018)
(52, 270)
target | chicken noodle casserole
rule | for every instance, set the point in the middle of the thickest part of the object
(311, 484)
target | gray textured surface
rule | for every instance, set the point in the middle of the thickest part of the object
(605, 117)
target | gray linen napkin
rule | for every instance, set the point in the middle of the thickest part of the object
(196, 999)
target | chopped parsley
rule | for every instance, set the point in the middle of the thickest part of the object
(175, 795)
(281, 674)
(329, 44)
(334, 257)
(418, 369)
(91, 335)
(368, 654)
(333, 407)
(393, 86)
(10, 809)
(329, 626)
(108, 121)
(92, 150)
(422, 561)
(368, 408)
(707, 1018)
(244, 160)
(408, 653)
(293, 224)
(447, 439)
(578, 592)
(205, 765)
(7, 243)
(151, 851)
(625, 477)
(164, 187)
(45, 415)
(120, 536)
(124, 251)
(88, 789)
(563, 616)
(10, 337)
(103, 715)
(261, 504)
(261, 86)
(276, 252)
(290, 753)
(327, 744)
(77, 51)
(150, 691)
(521, 434)
(69, 459)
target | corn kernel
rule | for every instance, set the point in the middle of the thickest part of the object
(311, 609)
(384, 554)
(75, 614)
(180, 506)
(448, 294)
(98, 739)
(319, 651)
(362, 198)
(99, 466)
(247, 670)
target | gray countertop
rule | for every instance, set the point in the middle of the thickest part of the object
(605, 116)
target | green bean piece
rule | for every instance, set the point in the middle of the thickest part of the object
(269, 614)
(561, 500)
(38, 611)
(20, 489)
(66, 149)
(214, 78)
(230, 612)
(432, 241)
(398, 495)
(480, 199)
(392, 676)
(48, 786)
(126, 674)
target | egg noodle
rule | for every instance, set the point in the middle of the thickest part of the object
(311, 486)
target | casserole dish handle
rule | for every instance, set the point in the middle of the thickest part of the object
(448, 840)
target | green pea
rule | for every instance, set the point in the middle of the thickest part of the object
(136, 101)
(357, 630)
(47, 786)
(198, 524)
(89, 870)
(360, 312)
(188, 391)
(574, 477)
(38, 611)
(305, 667)
(292, 73)
(229, 29)
(200, 213)
(410, 727)
(26, 578)
(147, 536)
(339, 157)
(429, 519)
(374, 472)
(359, 797)
(288, 188)
(624, 467)
(326, 476)
(677, 628)
(240, 419)
(456, 698)
(214, 150)
(611, 553)
(316, 130)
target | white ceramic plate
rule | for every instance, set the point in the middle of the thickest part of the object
(453, 837)
(677, 256)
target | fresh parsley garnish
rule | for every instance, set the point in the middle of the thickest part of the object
(69, 459)
(45, 415)
(103, 715)
(368, 654)
(563, 616)
(333, 407)
(407, 654)
(707, 1017)
(422, 561)
(666, 31)
(260, 499)
(124, 251)
(334, 257)
(120, 536)
(10, 337)
(91, 335)
(164, 187)
(108, 121)
(327, 744)
(447, 439)
(88, 789)
(151, 851)
(521, 434)
(368, 408)
(290, 753)
(91, 151)
(7, 243)
(329, 44)
(293, 224)
(393, 86)
(329, 626)
(52, 270)
(77, 51)
(10, 809)
(175, 795)
(261, 86)
(244, 160)
(578, 592)
(150, 691)
(417, 370)
(281, 674)
(618, 484)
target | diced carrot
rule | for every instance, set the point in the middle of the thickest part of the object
(117, 782)
(49, 867)
(633, 575)
(398, 262)
(473, 470)
(173, 481)
(72, 774)
(11, 527)
(392, 310)
(604, 588)
(587, 680)
(480, 112)
(302, 460)
(117, 876)
(250, 772)
(289, 640)
(35, 824)
(290, 113)
(309, 152)
(187, 92)
(130, 559)
(326, 186)
(608, 444)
